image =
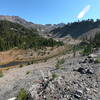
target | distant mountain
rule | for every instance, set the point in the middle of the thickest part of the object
(19, 20)
(15, 19)
(85, 28)
(42, 29)
(60, 25)
(81, 29)
(56, 25)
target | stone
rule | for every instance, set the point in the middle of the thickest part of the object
(90, 71)
(92, 56)
(82, 70)
(78, 93)
(85, 70)
(14, 98)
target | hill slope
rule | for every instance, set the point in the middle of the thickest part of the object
(68, 82)
(42, 29)
(15, 35)
(78, 29)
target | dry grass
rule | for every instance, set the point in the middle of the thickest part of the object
(9, 56)
(28, 55)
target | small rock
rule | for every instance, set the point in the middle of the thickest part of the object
(14, 98)
(90, 71)
(87, 89)
(85, 70)
(92, 55)
(78, 93)
(82, 70)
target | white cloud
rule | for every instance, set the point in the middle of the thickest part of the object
(84, 11)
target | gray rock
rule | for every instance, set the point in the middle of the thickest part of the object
(85, 70)
(78, 93)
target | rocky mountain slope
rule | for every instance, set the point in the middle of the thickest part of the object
(76, 79)
(90, 34)
(85, 28)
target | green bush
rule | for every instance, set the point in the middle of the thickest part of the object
(54, 76)
(21, 65)
(28, 72)
(59, 63)
(87, 50)
(1, 74)
(33, 61)
(29, 63)
(97, 39)
(45, 59)
(97, 60)
(22, 95)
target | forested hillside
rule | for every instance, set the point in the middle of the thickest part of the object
(15, 35)
(76, 29)
(97, 39)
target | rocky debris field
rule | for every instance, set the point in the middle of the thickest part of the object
(77, 79)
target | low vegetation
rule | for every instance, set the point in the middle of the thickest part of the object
(59, 63)
(22, 95)
(54, 75)
(33, 61)
(97, 40)
(28, 72)
(1, 74)
(98, 60)
(87, 50)
(21, 65)
(88, 46)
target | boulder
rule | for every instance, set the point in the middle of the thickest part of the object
(82, 70)
(85, 70)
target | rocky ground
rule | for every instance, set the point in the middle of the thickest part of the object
(77, 79)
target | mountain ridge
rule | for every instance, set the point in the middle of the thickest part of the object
(78, 29)
(81, 29)
(42, 29)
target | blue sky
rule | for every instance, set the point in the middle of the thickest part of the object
(51, 11)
